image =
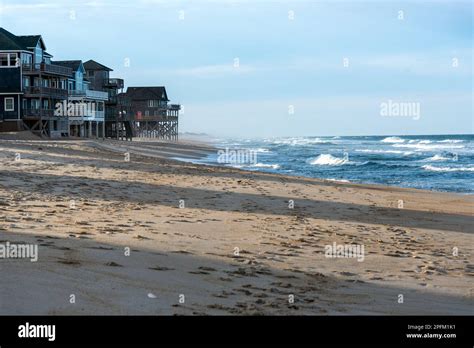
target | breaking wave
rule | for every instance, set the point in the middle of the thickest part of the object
(264, 165)
(420, 147)
(448, 169)
(327, 160)
(436, 158)
(393, 140)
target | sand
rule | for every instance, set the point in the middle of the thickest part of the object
(156, 236)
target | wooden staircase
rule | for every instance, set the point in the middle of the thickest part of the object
(129, 133)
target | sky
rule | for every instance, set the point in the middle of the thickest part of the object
(276, 68)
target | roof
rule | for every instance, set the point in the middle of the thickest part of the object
(9, 41)
(30, 40)
(93, 65)
(147, 93)
(73, 64)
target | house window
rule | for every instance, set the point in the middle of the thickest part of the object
(35, 104)
(147, 113)
(153, 103)
(4, 59)
(9, 104)
(38, 55)
(26, 59)
(9, 60)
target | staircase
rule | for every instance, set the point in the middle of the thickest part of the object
(129, 134)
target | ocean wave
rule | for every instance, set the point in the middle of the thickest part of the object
(451, 141)
(260, 150)
(436, 158)
(264, 165)
(405, 153)
(327, 160)
(300, 141)
(419, 141)
(393, 140)
(338, 180)
(420, 147)
(448, 169)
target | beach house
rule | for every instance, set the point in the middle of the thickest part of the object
(152, 115)
(30, 86)
(86, 107)
(116, 123)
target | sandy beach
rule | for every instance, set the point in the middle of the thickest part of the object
(151, 235)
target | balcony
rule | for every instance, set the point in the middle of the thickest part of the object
(90, 94)
(174, 107)
(88, 115)
(47, 69)
(45, 92)
(37, 113)
(169, 113)
(114, 83)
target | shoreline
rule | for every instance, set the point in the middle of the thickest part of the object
(193, 149)
(211, 148)
(191, 250)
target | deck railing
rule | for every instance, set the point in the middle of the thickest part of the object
(116, 83)
(35, 113)
(47, 68)
(46, 91)
(90, 94)
(38, 113)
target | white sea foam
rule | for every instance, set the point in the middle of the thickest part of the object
(393, 140)
(421, 147)
(327, 160)
(405, 153)
(418, 141)
(260, 150)
(338, 180)
(451, 141)
(448, 169)
(264, 165)
(436, 158)
(301, 141)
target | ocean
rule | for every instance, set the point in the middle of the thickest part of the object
(430, 162)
